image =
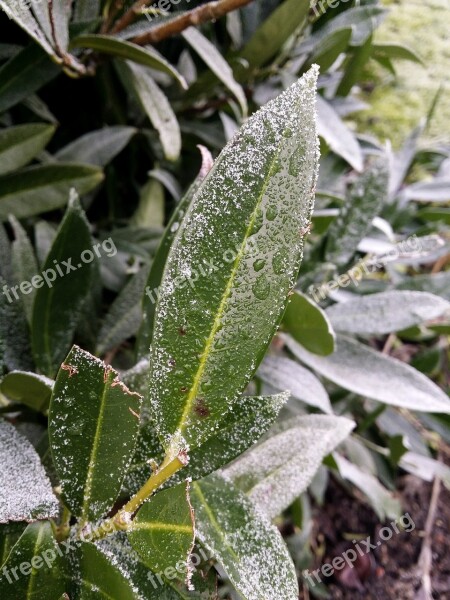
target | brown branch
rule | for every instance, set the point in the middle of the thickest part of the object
(129, 16)
(207, 12)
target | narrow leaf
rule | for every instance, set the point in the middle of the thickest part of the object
(337, 134)
(284, 374)
(21, 474)
(41, 189)
(263, 182)
(24, 266)
(218, 65)
(97, 147)
(378, 314)
(20, 144)
(363, 202)
(277, 471)
(155, 104)
(359, 369)
(248, 547)
(61, 293)
(148, 56)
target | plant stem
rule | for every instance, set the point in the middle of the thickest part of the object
(202, 14)
(121, 521)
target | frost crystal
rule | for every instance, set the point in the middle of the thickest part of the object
(25, 490)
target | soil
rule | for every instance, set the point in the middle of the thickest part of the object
(390, 572)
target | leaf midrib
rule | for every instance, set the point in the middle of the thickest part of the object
(34, 571)
(219, 314)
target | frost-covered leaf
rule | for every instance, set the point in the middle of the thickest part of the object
(363, 202)
(159, 260)
(156, 105)
(233, 261)
(40, 189)
(382, 501)
(337, 135)
(97, 147)
(366, 372)
(24, 265)
(378, 314)
(40, 570)
(148, 56)
(309, 325)
(248, 547)
(278, 470)
(243, 426)
(125, 314)
(20, 144)
(60, 298)
(25, 490)
(217, 63)
(30, 389)
(284, 374)
(14, 331)
(162, 532)
(93, 427)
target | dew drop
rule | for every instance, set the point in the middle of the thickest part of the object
(259, 264)
(261, 287)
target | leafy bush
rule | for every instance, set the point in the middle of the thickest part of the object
(160, 476)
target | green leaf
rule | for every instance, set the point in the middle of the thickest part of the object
(155, 104)
(25, 490)
(275, 31)
(20, 144)
(242, 427)
(278, 470)
(160, 258)
(28, 388)
(282, 373)
(162, 533)
(36, 568)
(24, 265)
(112, 569)
(379, 314)
(148, 56)
(355, 67)
(248, 547)
(359, 369)
(94, 423)
(402, 161)
(97, 147)
(263, 182)
(150, 210)
(125, 314)
(24, 74)
(44, 188)
(382, 501)
(364, 200)
(309, 325)
(14, 331)
(327, 52)
(337, 134)
(396, 51)
(218, 65)
(61, 292)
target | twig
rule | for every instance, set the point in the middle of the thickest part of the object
(425, 558)
(207, 12)
(129, 16)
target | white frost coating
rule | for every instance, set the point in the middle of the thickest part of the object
(249, 548)
(25, 490)
(378, 314)
(359, 369)
(257, 199)
(281, 373)
(277, 471)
